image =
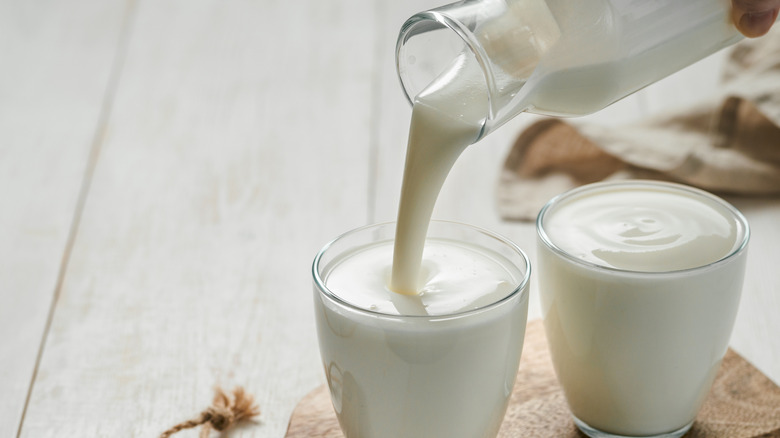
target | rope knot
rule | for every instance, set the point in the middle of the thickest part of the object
(222, 413)
(220, 418)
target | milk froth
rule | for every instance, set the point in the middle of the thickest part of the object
(648, 229)
(454, 277)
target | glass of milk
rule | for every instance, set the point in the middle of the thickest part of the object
(441, 363)
(639, 284)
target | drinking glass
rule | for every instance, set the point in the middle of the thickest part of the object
(394, 375)
(636, 352)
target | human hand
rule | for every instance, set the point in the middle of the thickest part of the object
(754, 17)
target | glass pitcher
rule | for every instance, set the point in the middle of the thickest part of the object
(557, 57)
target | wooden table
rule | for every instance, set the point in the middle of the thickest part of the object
(168, 170)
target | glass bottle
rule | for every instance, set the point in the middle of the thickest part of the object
(556, 57)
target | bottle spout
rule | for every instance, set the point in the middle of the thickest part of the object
(493, 46)
(433, 50)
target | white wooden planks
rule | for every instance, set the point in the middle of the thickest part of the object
(56, 61)
(236, 146)
(232, 139)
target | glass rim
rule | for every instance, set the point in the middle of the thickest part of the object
(520, 289)
(699, 193)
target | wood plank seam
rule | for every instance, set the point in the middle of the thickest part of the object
(94, 154)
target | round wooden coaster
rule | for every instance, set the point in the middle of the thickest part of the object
(743, 402)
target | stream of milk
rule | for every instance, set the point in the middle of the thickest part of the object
(446, 118)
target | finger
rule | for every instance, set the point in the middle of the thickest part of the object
(754, 18)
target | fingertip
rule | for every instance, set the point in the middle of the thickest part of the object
(755, 24)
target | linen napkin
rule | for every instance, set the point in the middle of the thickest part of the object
(727, 143)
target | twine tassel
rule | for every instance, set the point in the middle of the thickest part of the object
(223, 413)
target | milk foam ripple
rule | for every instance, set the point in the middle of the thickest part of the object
(643, 229)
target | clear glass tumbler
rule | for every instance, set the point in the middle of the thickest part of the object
(636, 347)
(394, 375)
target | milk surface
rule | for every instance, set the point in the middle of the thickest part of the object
(454, 277)
(648, 229)
(636, 334)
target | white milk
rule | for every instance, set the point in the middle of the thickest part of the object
(455, 277)
(424, 375)
(446, 118)
(651, 229)
(576, 78)
(639, 307)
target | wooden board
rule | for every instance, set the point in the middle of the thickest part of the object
(742, 404)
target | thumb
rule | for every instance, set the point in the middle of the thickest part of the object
(754, 17)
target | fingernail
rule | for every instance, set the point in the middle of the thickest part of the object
(755, 24)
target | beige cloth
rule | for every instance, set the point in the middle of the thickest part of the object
(727, 144)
